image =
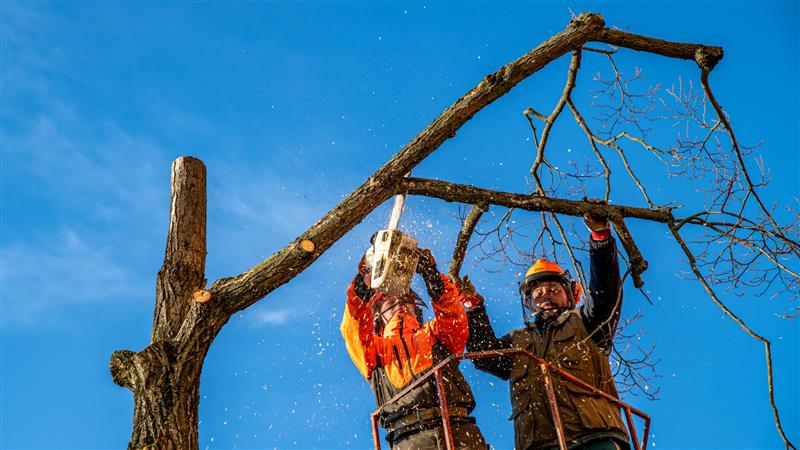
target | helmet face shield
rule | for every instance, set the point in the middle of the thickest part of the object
(384, 303)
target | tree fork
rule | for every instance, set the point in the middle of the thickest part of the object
(165, 376)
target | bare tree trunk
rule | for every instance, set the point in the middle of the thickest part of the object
(166, 396)
(165, 376)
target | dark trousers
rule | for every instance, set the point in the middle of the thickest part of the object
(600, 443)
(604, 444)
(466, 436)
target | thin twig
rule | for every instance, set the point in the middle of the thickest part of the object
(754, 335)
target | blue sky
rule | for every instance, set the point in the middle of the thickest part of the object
(291, 106)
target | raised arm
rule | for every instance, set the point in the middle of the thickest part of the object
(601, 310)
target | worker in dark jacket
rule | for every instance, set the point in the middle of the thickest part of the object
(572, 336)
(391, 347)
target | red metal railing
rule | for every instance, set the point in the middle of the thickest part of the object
(546, 367)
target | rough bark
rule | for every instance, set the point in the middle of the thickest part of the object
(464, 193)
(185, 255)
(706, 57)
(165, 376)
(165, 400)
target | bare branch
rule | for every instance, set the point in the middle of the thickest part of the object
(740, 322)
(705, 56)
(737, 151)
(638, 263)
(574, 65)
(463, 193)
(592, 139)
(467, 228)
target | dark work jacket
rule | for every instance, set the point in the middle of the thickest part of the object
(423, 397)
(577, 341)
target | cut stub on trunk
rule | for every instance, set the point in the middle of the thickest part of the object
(201, 296)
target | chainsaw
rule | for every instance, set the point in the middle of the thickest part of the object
(393, 255)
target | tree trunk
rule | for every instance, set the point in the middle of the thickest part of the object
(166, 396)
(165, 376)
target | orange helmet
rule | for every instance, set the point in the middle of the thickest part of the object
(543, 270)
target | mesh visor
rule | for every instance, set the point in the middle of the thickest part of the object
(388, 302)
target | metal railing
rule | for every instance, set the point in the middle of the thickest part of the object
(546, 367)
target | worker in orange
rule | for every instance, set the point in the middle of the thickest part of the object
(391, 347)
(573, 336)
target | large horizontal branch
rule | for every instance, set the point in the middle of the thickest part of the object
(706, 56)
(464, 193)
(242, 291)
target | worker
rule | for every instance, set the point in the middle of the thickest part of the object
(573, 336)
(391, 347)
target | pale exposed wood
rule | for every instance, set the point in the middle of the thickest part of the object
(201, 296)
(307, 245)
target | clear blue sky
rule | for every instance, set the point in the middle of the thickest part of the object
(291, 106)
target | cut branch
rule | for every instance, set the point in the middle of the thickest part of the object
(637, 261)
(164, 376)
(706, 57)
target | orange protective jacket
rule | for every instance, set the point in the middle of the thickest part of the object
(405, 348)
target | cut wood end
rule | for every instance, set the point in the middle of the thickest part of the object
(201, 296)
(307, 245)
